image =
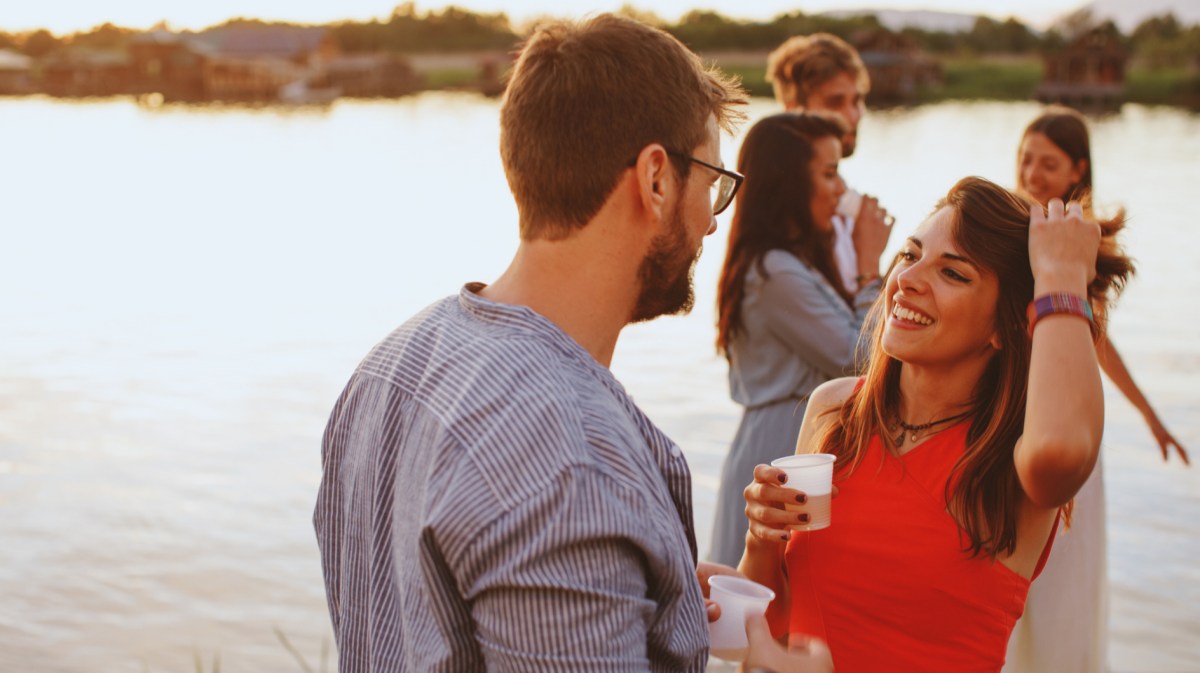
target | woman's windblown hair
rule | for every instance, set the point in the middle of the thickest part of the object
(991, 227)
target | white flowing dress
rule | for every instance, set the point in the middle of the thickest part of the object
(1065, 625)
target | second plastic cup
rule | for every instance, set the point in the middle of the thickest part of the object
(849, 205)
(737, 597)
(811, 474)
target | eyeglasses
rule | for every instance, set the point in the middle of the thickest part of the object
(724, 188)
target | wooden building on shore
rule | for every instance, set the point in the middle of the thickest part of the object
(167, 63)
(898, 67)
(16, 72)
(86, 72)
(1088, 72)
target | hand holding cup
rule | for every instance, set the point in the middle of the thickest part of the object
(793, 493)
(738, 598)
(872, 228)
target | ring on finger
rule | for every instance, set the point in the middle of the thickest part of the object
(889, 220)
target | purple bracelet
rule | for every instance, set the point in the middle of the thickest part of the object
(1060, 302)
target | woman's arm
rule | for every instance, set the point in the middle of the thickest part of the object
(810, 319)
(1064, 415)
(767, 536)
(1114, 367)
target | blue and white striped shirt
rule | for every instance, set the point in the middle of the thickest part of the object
(492, 499)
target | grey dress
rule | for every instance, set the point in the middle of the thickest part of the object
(797, 333)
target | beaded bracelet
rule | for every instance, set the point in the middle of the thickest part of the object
(1060, 302)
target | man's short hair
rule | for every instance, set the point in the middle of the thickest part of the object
(584, 99)
(805, 62)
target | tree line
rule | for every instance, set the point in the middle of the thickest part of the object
(1160, 41)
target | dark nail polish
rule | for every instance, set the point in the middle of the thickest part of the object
(787, 536)
(803, 518)
(802, 498)
(783, 477)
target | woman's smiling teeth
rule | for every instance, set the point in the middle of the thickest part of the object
(910, 316)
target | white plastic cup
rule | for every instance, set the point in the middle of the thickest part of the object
(811, 474)
(849, 205)
(737, 597)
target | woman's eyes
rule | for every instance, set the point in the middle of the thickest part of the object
(908, 256)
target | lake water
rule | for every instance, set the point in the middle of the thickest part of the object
(186, 290)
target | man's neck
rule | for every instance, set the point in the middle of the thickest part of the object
(579, 284)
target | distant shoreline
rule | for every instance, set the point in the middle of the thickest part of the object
(990, 77)
(994, 77)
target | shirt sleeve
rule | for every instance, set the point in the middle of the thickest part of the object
(804, 313)
(561, 583)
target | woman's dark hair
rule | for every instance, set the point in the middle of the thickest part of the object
(1068, 130)
(774, 209)
(991, 228)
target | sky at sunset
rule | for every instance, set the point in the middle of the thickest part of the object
(65, 16)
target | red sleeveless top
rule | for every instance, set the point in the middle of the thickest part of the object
(888, 585)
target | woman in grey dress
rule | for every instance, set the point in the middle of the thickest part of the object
(786, 323)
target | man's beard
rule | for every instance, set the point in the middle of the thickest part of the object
(849, 144)
(666, 273)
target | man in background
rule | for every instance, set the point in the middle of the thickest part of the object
(492, 499)
(822, 73)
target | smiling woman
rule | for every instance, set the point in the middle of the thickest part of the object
(179, 326)
(1065, 625)
(787, 323)
(960, 410)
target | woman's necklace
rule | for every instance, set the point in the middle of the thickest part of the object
(915, 430)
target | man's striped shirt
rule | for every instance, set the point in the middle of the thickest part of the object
(492, 499)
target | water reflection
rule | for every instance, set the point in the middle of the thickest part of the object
(187, 289)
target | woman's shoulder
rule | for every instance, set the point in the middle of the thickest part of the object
(832, 394)
(827, 397)
(779, 260)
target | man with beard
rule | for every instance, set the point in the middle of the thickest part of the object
(492, 499)
(822, 73)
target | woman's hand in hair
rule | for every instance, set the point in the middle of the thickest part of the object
(1062, 248)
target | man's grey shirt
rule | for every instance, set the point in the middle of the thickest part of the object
(492, 499)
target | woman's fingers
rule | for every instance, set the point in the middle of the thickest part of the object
(1055, 209)
(772, 507)
(769, 533)
(1062, 244)
(769, 475)
(774, 495)
(1074, 210)
(774, 516)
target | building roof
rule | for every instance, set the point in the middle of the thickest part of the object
(11, 60)
(157, 36)
(250, 40)
(80, 56)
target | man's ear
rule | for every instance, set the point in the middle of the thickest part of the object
(655, 179)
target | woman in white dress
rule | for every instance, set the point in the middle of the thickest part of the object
(1065, 625)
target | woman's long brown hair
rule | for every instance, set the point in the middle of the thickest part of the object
(991, 228)
(1068, 131)
(774, 210)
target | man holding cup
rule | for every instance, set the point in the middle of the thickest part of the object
(822, 73)
(492, 499)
